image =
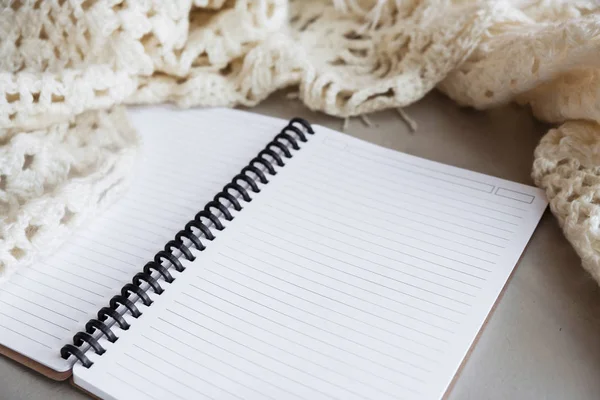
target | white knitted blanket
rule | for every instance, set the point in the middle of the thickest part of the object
(66, 150)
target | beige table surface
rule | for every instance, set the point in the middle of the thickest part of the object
(543, 340)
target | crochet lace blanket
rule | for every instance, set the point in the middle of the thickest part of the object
(65, 66)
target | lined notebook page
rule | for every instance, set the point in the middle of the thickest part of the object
(184, 162)
(357, 272)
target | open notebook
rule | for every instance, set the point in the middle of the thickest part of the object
(355, 272)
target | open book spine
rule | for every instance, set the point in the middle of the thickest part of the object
(267, 161)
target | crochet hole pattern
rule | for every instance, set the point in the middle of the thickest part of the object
(64, 63)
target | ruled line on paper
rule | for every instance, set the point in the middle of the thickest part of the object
(255, 138)
(54, 288)
(34, 315)
(128, 383)
(389, 249)
(375, 157)
(68, 252)
(303, 333)
(255, 351)
(80, 266)
(280, 361)
(184, 173)
(131, 371)
(354, 265)
(390, 189)
(367, 251)
(374, 220)
(335, 289)
(163, 196)
(162, 229)
(159, 206)
(175, 378)
(283, 217)
(112, 249)
(392, 162)
(28, 289)
(136, 227)
(308, 214)
(171, 187)
(350, 167)
(374, 201)
(195, 362)
(221, 155)
(362, 345)
(369, 206)
(176, 192)
(77, 277)
(285, 350)
(286, 339)
(145, 222)
(70, 284)
(24, 334)
(45, 332)
(488, 188)
(363, 279)
(142, 246)
(88, 248)
(381, 285)
(370, 262)
(326, 308)
(182, 179)
(71, 273)
(263, 394)
(38, 305)
(175, 196)
(190, 345)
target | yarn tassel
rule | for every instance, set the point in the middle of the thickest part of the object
(411, 123)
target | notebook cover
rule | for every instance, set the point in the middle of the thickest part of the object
(34, 365)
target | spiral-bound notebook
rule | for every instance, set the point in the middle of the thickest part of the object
(259, 258)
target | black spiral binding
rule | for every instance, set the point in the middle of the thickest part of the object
(268, 158)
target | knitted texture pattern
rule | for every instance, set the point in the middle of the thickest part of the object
(68, 66)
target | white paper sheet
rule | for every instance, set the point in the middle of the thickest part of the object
(184, 162)
(357, 272)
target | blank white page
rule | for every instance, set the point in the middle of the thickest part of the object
(357, 272)
(186, 158)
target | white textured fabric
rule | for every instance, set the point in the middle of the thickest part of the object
(64, 63)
